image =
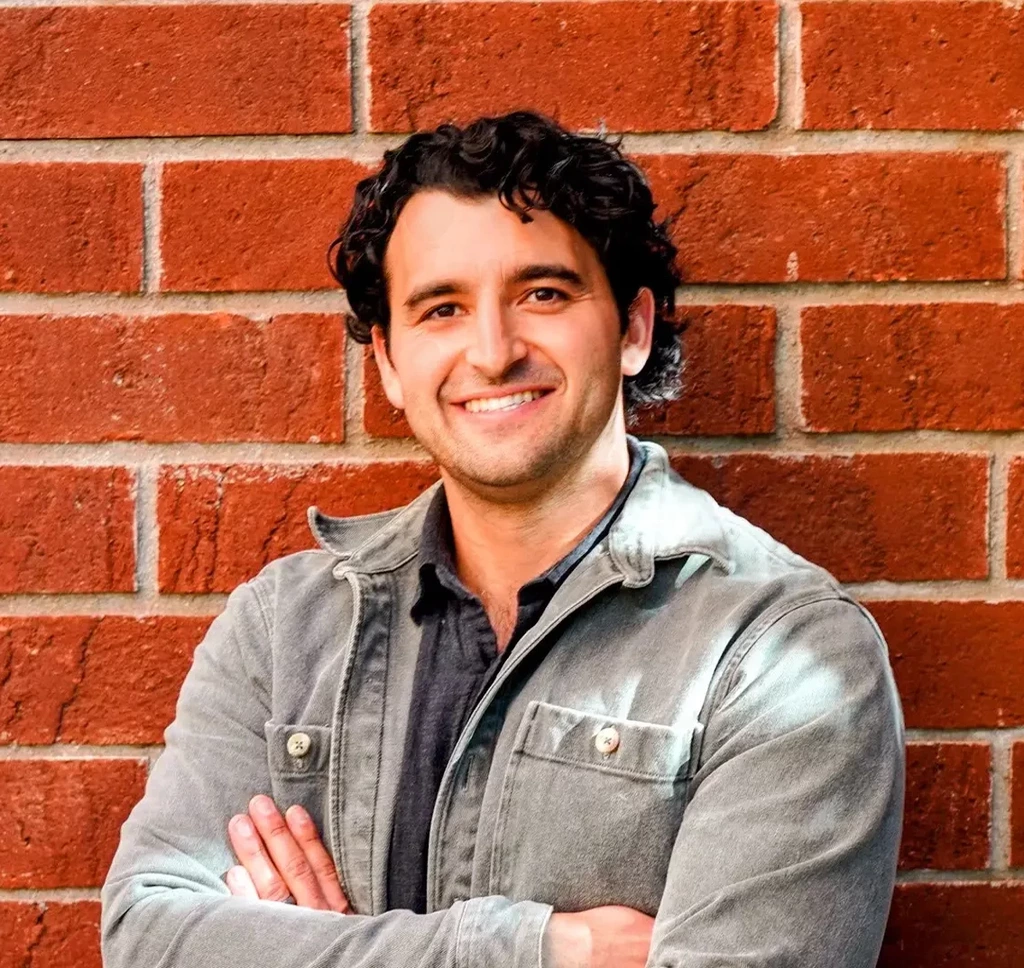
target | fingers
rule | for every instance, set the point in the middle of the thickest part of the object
(285, 856)
(253, 856)
(240, 883)
(301, 825)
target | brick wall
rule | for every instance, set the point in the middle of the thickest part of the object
(175, 388)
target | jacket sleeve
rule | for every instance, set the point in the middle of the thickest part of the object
(786, 856)
(164, 903)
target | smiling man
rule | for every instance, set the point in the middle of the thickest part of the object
(563, 710)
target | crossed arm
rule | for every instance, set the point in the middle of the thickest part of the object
(282, 858)
(785, 856)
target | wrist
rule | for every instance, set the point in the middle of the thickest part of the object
(567, 942)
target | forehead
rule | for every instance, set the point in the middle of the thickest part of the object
(439, 235)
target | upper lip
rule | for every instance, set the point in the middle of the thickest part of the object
(505, 391)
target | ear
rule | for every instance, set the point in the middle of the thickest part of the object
(636, 341)
(388, 376)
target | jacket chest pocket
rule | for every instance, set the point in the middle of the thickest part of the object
(298, 756)
(590, 807)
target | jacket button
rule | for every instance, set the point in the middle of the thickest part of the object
(299, 744)
(607, 740)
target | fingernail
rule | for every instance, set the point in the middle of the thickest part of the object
(297, 814)
(262, 805)
(242, 825)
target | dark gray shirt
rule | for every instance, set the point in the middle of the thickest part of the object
(458, 658)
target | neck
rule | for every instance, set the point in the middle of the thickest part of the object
(500, 546)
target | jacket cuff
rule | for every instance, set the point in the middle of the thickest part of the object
(497, 931)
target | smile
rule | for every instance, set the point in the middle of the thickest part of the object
(510, 402)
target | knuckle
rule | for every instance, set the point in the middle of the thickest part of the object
(295, 868)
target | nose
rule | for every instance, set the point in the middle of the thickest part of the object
(494, 345)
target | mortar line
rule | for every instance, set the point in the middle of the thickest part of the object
(147, 541)
(355, 392)
(788, 408)
(366, 146)
(999, 813)
(152, 262)
(1014, 200)
(986, 735)
(789, 60)
(56, 752)
(51, 605)
(359, 20)
(49, 895)
(999, 471)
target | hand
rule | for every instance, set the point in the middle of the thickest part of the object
(282, 857)
(604, 937)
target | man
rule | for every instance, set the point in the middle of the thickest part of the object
(563, 710)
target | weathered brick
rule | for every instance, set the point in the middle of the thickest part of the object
(220, 524)
(1015, 519)
(67, 529)
(253, 225)
(946, 366)
(838, 217)
(952, 925)
(436, 62)
(728, 384)
(92, 679)
(948, 804)
(913, 65)
(63, 819)
(183, 69)
(69, 227)
(902, 517)
(50, 934)
(958, 665)
(181, 377)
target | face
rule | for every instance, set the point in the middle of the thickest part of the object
(505, 348)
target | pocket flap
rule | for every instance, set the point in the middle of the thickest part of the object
(297, 749)
(645, 751)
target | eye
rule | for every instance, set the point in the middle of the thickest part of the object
(547, 294)
(444, 311)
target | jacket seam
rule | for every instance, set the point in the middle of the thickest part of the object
(742, 649)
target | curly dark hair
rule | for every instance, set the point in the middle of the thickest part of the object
(529, 162)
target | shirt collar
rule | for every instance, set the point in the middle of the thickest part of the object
(438, 574)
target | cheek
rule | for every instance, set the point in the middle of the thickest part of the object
(422, 366)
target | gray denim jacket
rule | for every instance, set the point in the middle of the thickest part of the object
(701, 725)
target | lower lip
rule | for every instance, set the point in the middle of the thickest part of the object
(523, 410)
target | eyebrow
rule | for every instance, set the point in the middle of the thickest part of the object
(527, 273)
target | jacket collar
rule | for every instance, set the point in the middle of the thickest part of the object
(663, 517)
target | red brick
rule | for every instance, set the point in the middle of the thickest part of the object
(949, 799)
(220, 524)
(70, 227)
(431, 63)
(1017, 805)
(728, 384)
(958, 665)
(92, 679)
(728, 379)
(67, 529)
(101, 72)
(1015, 520)
(952, 366)
(902, 517)
(913, 65)
(201, 378)
(834, 218)
(253, 225)
(954, 925)
(63, 819)
(50, 934)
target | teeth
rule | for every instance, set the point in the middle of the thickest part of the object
(513, 400)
